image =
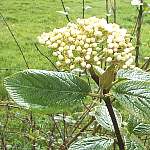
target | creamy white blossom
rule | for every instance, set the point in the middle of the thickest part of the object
(89, 42)
(136, 2)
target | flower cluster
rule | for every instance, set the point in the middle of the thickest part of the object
(89, 42)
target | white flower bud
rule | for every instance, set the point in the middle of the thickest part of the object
(55, 54)
(83, 64)
(67, 34)
(116, 45)
(84, 37)
(98, 33)
(67, 61)
(72, 67)
(119, 57)
(79, 37)
(98, 63)
(58, 63)
(92, 40)
(127, 50)
(94, 53)
(66, 47)
(84, 51)
(54, 45)
(124, 66)
(88, 40)
(88, 66)
(81, 42)
(110, 45)
(60, 57)
(61, 49)
(58, 41)
(79, 48)
(110, 51)
(86, 45)
(62, 44)
(132, 66)
(72, 47)
(70, 55)
(48, 42)
(77, 59)
(77, 42)
(94, 45)
(70, 39)
(87, 57)
(96, 58)
(98, 48)
(128, 63)
(109, 59)
(89, 50)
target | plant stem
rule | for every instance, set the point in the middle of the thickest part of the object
(111, 112)
(138, 34)
(37, 48)
(17, 43)
(114, 11)
(62, 3)
(107, 10)
(114, 121)
(83, 9)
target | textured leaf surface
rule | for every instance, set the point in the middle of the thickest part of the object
(134, 74)
(133, 145)
(46, 88)
(142, 129)
(103, 118)
(92, 143)
(135, 95)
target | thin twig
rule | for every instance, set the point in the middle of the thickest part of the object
(17, 43)
(64, 132)
(138, 34)
(134, 29)
(81, 131)
(81, 118)
(52, 117)
(114, 11)
(107, 11)
(67, 16)
(146, 64)
(37, 48)
(83, 9)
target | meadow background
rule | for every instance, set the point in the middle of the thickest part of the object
(28, 19)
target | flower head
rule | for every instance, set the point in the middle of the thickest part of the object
(89, 42)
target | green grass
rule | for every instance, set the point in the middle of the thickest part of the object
(28, 19)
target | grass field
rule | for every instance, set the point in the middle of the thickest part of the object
(28, 19)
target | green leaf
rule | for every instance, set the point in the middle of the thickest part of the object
(134, 95)
(142, 129)
(132, 123)
(108, 77)
(39, 88)
(93, 143)
(134, 74)
(132, 144)
(103, 118)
